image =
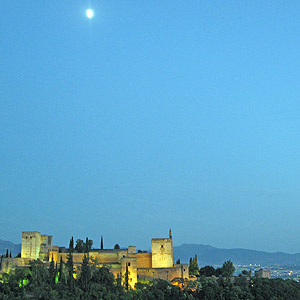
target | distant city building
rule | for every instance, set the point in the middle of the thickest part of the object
(143, 265)
(262, 273)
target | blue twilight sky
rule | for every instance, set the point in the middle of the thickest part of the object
(151, 115)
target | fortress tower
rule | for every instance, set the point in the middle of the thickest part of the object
(162, 252)
(35, 245)
(128, 264)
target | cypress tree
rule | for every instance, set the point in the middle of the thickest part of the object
(86, 245)
(10, 254)
(70, 265)
(119, 286)
(101, 247)
(60, 272)
(6, 253)
(126, 278)
(52, 272)
(56, 273)
(85, 274)
(193, 267)
(71, 245)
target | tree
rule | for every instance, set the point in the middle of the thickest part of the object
(178, 261)
(80, 247)
(86, 245)
(104, 277)
(89, 244)
(119, 283)
(142, 251)
(83, 247)
(71, 245)
(126, 278)
(70, 265)
(85, 274)
(60, 272)
(228, 269)
(218, 272)
(6, 255)
(56, 273)
(52, 272)
(207, 271)
(117, 246)
(101, 246)
(247, 273)
(10, 254)
(161, 289)
(193, 266)
(39, 272)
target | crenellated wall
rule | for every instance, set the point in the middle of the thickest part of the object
(107, 256)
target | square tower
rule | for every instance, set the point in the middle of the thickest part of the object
(162, 253)
(31, 245)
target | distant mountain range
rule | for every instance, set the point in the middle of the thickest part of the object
(208, 255)
(14, 248)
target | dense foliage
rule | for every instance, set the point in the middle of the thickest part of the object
(42, 282)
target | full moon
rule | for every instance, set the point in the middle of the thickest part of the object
(89, 13)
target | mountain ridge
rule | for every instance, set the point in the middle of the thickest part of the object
(15, 249)
(209, 255)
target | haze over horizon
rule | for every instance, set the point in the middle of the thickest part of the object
(150, 116)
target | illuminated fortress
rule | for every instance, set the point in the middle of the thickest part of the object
(141, 265)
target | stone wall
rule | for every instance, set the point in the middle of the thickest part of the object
(10, 263)
(107, 256)
(178, 271)
(144, 260)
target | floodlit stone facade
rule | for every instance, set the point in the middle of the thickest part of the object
(35, 245)
(162, 253)
(139, 265)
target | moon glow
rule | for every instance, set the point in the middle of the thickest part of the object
(89, 13)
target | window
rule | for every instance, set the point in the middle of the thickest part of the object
(128, 264)
(162, 246)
